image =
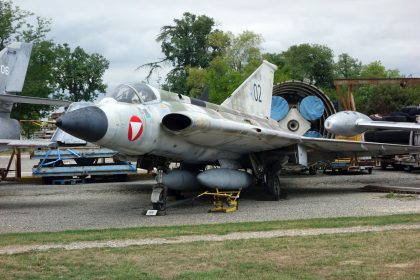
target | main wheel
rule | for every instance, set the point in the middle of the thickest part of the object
(273, 184)
(312, 170)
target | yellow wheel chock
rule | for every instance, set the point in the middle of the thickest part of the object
(224, 201)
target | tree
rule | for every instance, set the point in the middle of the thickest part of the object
(227, 70)
(77, 74)
(380, 99)
(244, 49)
(15, 26)
(347, 67)
(310, 62)
(277, 58)
(375, 69)
(190, 42)
(12, 21)
(43, 78)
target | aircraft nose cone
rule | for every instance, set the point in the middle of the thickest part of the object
(88, 123)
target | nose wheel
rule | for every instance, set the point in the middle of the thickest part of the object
(159, 193)
(158, 197)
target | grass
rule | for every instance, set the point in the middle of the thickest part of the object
(170, 231)
(384, 255)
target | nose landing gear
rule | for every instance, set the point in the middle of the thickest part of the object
(159, 194)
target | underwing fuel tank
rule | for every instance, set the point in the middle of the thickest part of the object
(225, 179)
(346, 123)
(182, 180)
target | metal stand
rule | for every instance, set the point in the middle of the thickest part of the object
(224, 201)
(18, 169)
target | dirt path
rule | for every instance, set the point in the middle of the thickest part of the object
(192, 238)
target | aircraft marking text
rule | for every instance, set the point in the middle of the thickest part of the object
(4, 70)
(257, 92)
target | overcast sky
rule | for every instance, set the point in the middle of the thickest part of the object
(124, 31)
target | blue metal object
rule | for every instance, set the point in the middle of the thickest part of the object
(76, 170)
(74, 153)
(279, 108)
(312, 134)
(311, 108)
(48, 159)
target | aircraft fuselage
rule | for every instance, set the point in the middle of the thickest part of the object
(138, 129)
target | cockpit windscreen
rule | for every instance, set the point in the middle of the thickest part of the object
(134, 93)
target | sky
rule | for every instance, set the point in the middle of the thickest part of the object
(125, 31)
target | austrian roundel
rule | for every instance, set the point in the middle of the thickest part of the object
(135, 128)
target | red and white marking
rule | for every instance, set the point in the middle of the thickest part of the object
(135, 128)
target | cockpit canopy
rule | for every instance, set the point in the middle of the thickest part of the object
(135, 93)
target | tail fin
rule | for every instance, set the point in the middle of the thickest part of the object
(254, 95)
(14, 60)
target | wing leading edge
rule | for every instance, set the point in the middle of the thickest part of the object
(201, 129)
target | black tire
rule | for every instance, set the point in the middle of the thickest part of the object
(47, 180)
(158, 206)
(313, 170)
(398, 167)
(274, 188)
(120, 177)
(369, 170)
(408, 168)
(383, 165)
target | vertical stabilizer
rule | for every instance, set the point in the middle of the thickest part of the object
(254, 95)
(14, 60)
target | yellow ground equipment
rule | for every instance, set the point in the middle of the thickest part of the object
(224, 201)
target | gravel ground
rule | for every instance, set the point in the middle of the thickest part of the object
(35, 207)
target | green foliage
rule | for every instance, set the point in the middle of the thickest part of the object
(217, 61)
(191, 42)
(277, 58)
(226, 71)
(375, 69)
(222, 80)
(36, 84)
(310, 62)
(382, 99)
(78, 73)
(12, 22)
(51, 67)
(347, 67)
(244, 49)
(186, 43)
(14, 25)
(385, 99)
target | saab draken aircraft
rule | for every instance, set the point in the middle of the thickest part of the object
(239, 139)
(14, 61)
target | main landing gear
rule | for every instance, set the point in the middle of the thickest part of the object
(274, 188)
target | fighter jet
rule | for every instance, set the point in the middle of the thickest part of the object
(238, 139)
(14, 61)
